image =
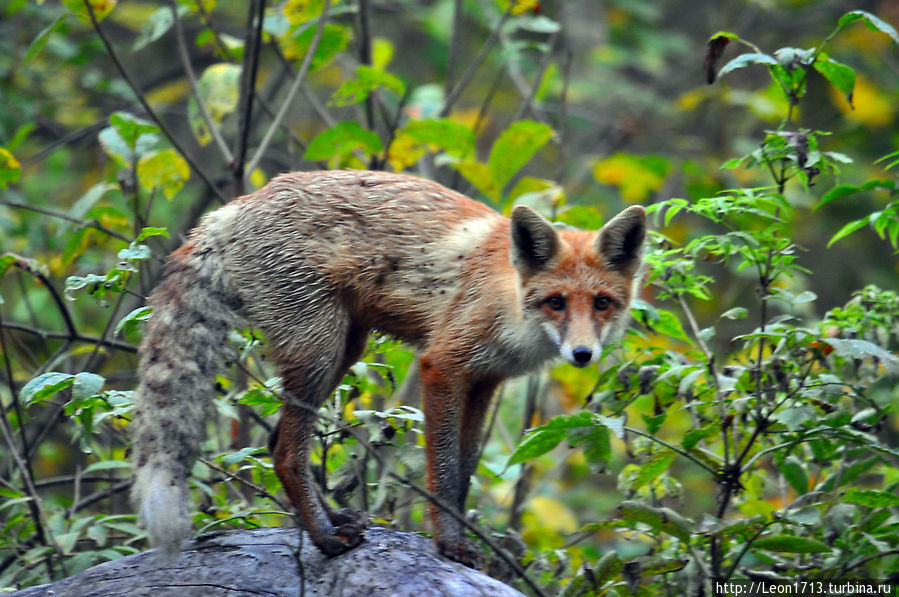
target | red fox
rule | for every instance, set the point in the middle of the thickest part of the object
(317, 260)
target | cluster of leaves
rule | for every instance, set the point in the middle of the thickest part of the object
(781, 427)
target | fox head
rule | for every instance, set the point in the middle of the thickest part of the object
(578, 285)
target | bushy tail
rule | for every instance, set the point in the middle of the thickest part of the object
(184, 346)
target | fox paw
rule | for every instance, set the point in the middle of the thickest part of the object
(347, 517)
(463, 551)
(340, 539)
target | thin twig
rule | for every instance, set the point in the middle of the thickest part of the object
(60, 304)
(248, 75)
(538, 79)
(64, 216)
(123, 346)
(455, 41)
(453, 96)
(42, 528)
(295, 86)
(363, 20)
(194, 87)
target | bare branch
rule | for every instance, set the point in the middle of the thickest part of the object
(291, 94)
(123, 346)
(194, 87)
(248, 75)
(64, 216)
(453, 96)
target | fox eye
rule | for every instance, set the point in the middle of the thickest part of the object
(556, 303)
(601, 303)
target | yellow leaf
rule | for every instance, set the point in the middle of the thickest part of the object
(100, 8)
(257, 178)
(636, 176)
(519, 6)
(382, 51)
(405, 151)
(165, 170)
(873, 107)
(552, 514)
(301, 11)
(10, 169)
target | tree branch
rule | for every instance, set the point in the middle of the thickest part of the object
(194, 87)
(248, 74)
(291, 94)
(453, 96)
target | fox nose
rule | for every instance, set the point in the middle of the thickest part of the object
(582, 355)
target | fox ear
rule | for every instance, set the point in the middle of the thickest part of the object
(620, 241)
(534, 240)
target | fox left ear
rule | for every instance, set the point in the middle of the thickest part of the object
(534, 240)
(620, 241)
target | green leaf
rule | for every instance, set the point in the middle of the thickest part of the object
(791, 544)
(870, 498)
(341, 140)
(101, 8)
(107, 465)
(128, 138)
(736, 313)
(694, 436)
(44, 386)
(726, 34)
(454, 138)
(874, 23)
(840, 76)
(657, 464)
(333, 41)
(156, 25)
(794, 472)
(663, 519)
(367, 80)
(608, 566)
(847, 230)
(661, 565)
(546, 437)
(795, 417)
(86, 385)
(135, 252)
(615, 424)
(745, 60)
(536, 444)
(838, 192)
(595, 442)
(670, 325)
(479, 175)
(43, 37)
(165, 170)
(862, 349)
(129, 324)
(515, 147)
(149, 231)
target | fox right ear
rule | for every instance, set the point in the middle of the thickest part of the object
(620, 241)
(534, 240)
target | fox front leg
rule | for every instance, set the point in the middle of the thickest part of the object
(444, 405)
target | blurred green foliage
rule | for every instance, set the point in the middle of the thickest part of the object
(746, 425)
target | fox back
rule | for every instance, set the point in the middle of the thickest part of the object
(317, 260)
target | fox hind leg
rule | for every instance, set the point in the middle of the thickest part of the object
(309, 378)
